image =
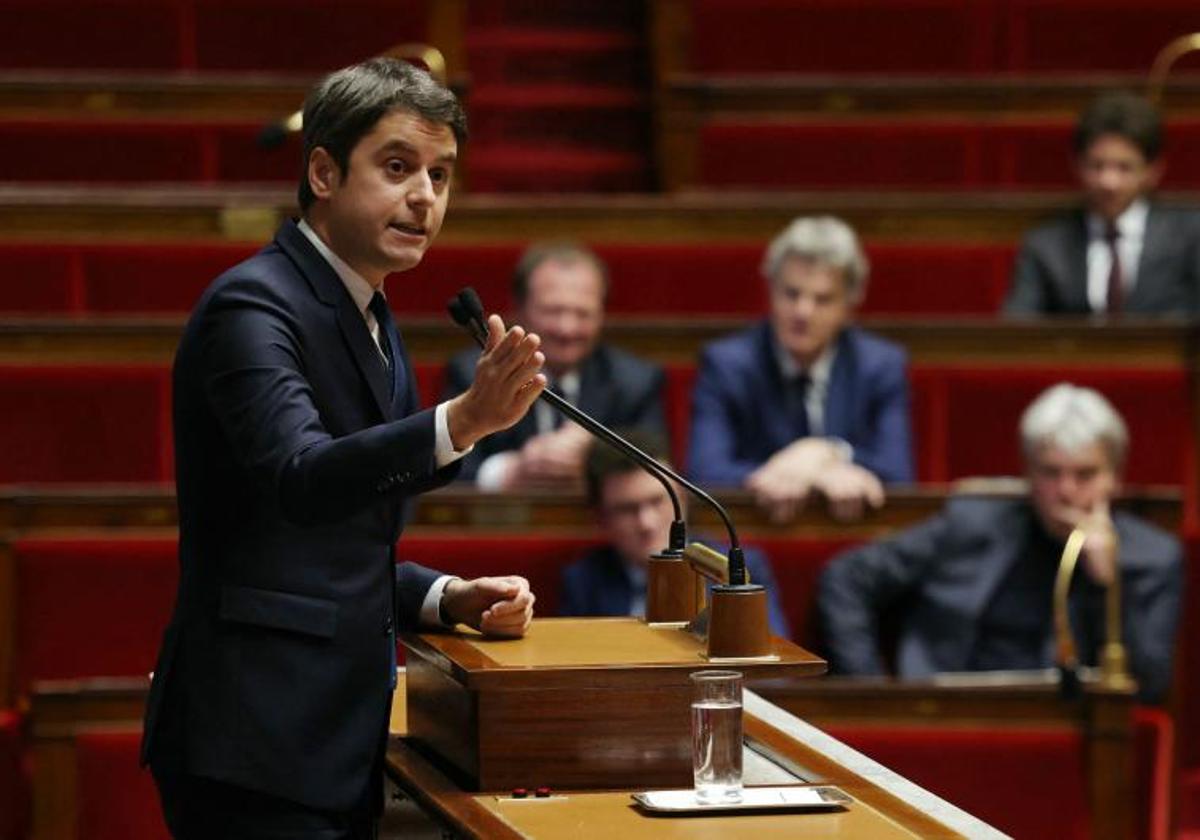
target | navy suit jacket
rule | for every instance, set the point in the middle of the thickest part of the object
(294, 460)
(615, 387)
(1050, 273)
(598, 584)
(740, 418)
(942, 575)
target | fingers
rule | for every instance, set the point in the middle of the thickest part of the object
(495, 327)
(512, 615)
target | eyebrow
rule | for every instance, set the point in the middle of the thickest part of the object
(393, 145)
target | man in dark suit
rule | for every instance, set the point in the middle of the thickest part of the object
(559, 289)
(804, 403)
(971, 589)
(298, 443)
(634, 512)
(1121, 252)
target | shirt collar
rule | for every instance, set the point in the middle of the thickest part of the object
(818, 372)
(1130, 225)
(360, 290)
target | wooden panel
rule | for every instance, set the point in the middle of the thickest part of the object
(586, 703)
(462, 508)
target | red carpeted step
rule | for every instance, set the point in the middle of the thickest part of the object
(581, 57)
(532, 170)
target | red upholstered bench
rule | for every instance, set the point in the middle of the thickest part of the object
(88, 607)
(115, 798)
(933, 153)
(965, 418)
(747, 37)
(662, 279)
(1027, 783)
(196, 34)
(88, 423)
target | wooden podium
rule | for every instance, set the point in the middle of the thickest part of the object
(584, 703)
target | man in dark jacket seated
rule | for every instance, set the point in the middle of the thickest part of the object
(973, 585)
(560, 289)
(635, 513)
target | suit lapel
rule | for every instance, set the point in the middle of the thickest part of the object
(773, 414)
(595, 388)
(330, 290)
(1075, 295)
(841, 390)
(1144, 290)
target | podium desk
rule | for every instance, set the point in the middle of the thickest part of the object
(598, 708)
(884, 807)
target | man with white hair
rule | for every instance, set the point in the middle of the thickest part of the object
(804, 403)
(971, 588)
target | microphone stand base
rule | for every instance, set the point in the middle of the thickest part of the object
(738, 626)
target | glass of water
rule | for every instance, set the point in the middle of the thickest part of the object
(717, 735)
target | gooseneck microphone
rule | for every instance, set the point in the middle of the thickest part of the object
(467, 310)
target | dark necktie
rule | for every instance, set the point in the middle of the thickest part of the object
(389, 339)
(556, 417)
(1116, 291)
(797, 404)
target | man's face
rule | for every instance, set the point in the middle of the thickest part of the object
(809, 307)
(565, 307)
(1062, 483)
(387, 207)
(1114, 173)
(635, 514)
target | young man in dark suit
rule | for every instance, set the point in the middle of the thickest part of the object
(634, 513)
(559, 289)
(805, 404)
(973, 586)
(298, 444)
(1122, 252)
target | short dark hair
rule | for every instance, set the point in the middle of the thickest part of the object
(1125, 114)
(605, 460)
(345, 105)
(564, 250)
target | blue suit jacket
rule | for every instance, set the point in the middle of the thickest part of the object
(598, 584)
(295, 454)
(739, 415)
(943, 574)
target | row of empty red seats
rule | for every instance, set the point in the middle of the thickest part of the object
(938, 37)
(66, 423)
(667, 279)
(216, 35)
(936, 153)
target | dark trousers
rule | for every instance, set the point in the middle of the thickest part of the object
(196, 808)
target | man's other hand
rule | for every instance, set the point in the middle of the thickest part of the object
(507, 381)
(850, 490)
(496, 606)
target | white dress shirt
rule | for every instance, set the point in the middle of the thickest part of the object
(1131, 227)
(444, 452)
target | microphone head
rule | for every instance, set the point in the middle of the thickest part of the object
(458, 312)
(470, 300)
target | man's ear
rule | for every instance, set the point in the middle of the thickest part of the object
(323, 173)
